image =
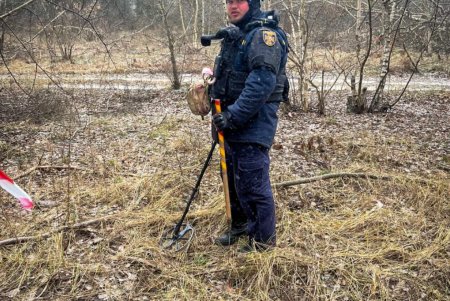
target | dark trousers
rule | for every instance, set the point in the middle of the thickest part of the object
(251, 196)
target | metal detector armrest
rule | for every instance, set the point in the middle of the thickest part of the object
(230, 31)
(206, 40)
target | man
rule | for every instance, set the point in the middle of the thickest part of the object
(250, 73)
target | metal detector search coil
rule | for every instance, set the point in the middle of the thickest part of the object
(178, 241)
(179, 238)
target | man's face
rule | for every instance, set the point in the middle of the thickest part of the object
(236, 10)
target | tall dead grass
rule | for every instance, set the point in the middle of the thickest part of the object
(340, 239)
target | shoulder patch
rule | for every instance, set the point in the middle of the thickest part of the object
(269, 37)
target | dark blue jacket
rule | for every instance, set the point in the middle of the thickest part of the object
(252, 78)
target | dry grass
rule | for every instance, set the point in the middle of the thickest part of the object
(341, 239)
(125, 53)
(145, 52)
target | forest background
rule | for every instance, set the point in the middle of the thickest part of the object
(94, 125)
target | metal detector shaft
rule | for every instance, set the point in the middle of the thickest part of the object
(176, 231)
(223, 165)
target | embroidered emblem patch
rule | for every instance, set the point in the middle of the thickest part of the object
(269, 38)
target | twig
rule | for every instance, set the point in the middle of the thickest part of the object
(86, 21)
(18, 240)
(211, 272)
(221, 270)
(45, 26)
(416, 64)
(330, 176)
(444, 167)
(32, 169)
(22, 43)
(16, 9)
(11, 73)
(145, 262)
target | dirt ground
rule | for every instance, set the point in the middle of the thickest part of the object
(127, 160)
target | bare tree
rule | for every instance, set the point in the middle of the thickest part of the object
(389, 35)
(438, 19)
(165, 8)
(195, 25)
(296, 11)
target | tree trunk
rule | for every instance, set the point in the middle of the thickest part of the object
(430, 44)
(225, 16)
(303, 52)
(299, 43)
(431, 11)
(203, 17)
(360, 101)
(293, 22)
(357, 102)
(321, 96)
(354, 102)
(180, 6)
(196, 23)
(176, 84)
(359, 21)
(388, 19)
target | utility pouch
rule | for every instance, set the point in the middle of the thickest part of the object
(198, 99)
(278, 93)
(219, 88)
(217, 65)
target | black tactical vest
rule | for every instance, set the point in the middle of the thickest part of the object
(231, 68)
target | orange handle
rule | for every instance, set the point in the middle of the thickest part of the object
(223, 164)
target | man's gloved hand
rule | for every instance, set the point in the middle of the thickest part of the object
(222, 121)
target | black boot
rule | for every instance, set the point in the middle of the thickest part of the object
(230, 237)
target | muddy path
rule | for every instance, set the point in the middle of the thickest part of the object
(151, 81)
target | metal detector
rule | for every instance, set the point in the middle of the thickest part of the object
(180, 237)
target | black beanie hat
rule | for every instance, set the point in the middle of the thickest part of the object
(254, 4)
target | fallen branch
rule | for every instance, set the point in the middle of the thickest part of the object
(62, 167)
(145, 262)
(330, 176)
(17, 240)
(44, 167)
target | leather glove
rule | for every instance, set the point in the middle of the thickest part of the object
(222, 121)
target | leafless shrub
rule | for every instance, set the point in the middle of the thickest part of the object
(37, 107)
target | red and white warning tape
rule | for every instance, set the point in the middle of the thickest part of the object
(8, 184)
